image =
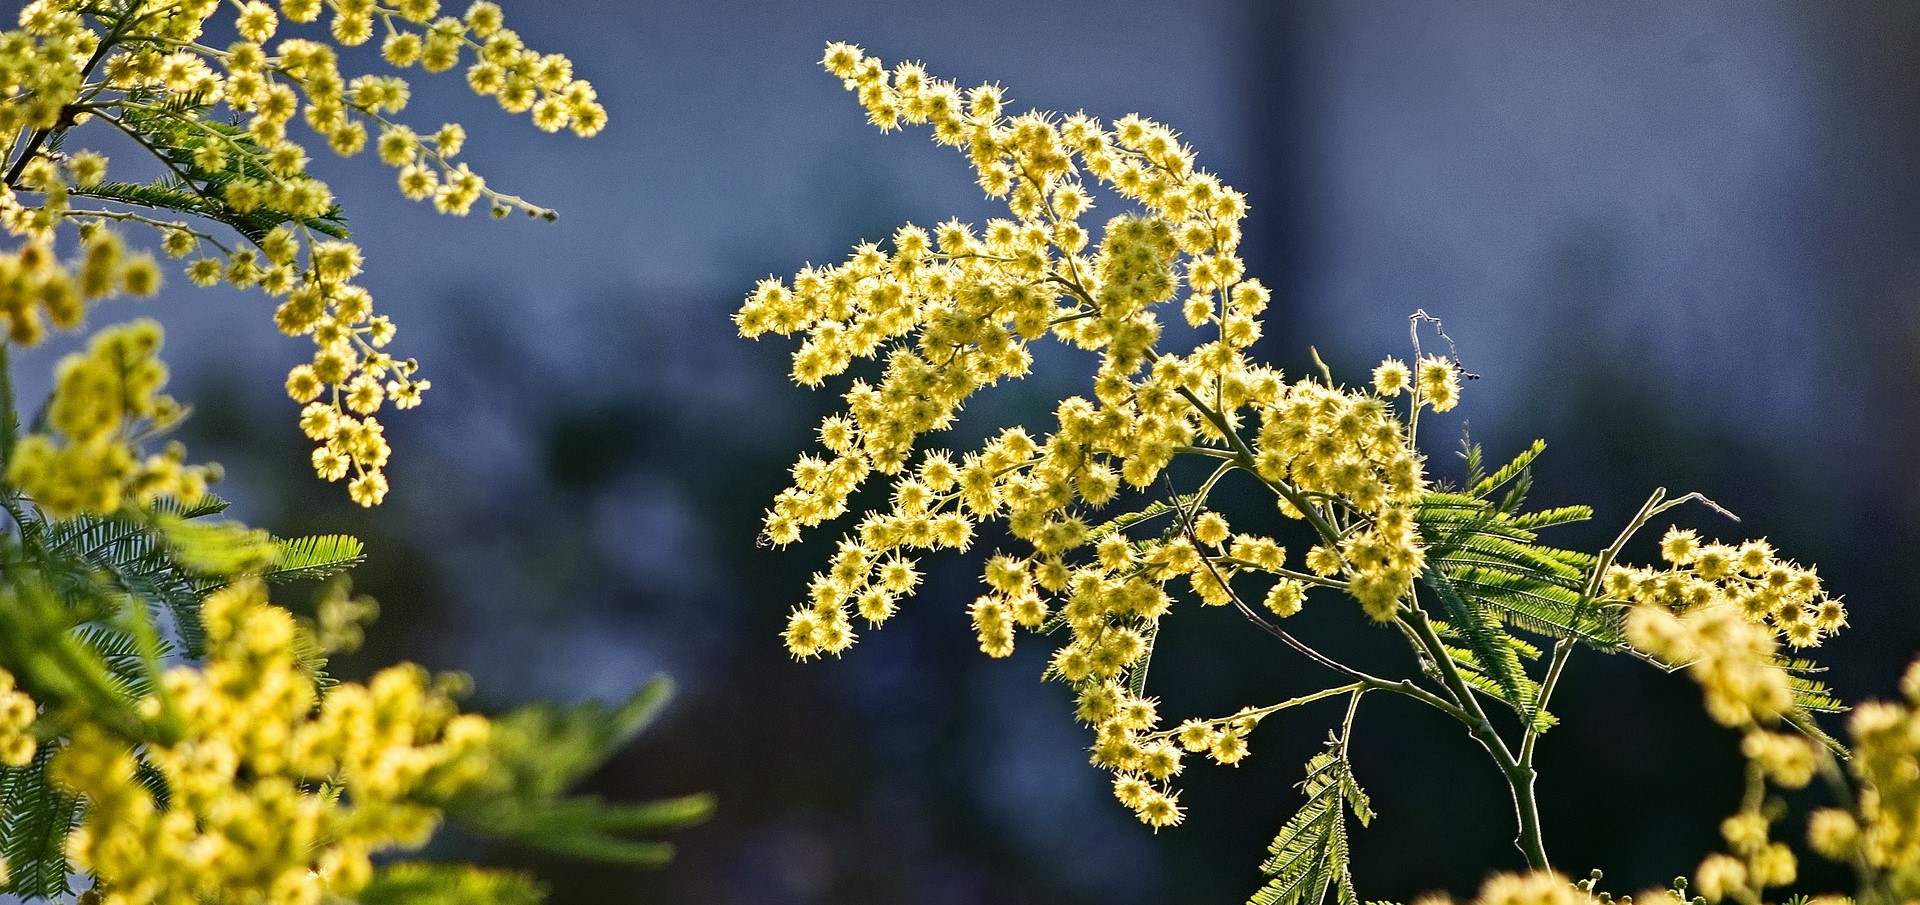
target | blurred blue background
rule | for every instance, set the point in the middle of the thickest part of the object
(1676, 239)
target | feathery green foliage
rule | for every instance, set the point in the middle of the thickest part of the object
(541, 751)
(177, 129)
(1310, 855)
(1488, 570)
(35, 818)
(314, 558)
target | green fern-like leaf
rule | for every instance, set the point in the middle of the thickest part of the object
(1476, 461)
(1494, 559)
(1815, 696)
(132, 558)
(1481, 634)
(55, 665)
(317, 557)
(1548, 518)
(35, 819)
(200, 508)
(1309, 856)
(1137, 673)
(129, 667)
(545, 749)
(1512, 470)
(1488, 546)
(539, 752)
(1526, 602)
(1182, 503)
(1808, 692)
(1489, 571)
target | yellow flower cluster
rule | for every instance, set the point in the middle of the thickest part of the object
(157, 82)
(106, 402)
(1540, 887)
(1753, 861)
(17, 713)
(1350, 446)
(1767, 590)
(1435, 385)
(276, 793)
(1535, 888)
(36, 287)
(1884, 832)
(42, 66)
(952, 310)
(1722, 610)
(1732, 659)
(971, 301)
(1145, 758)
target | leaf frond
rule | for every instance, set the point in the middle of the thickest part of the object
(312, 558)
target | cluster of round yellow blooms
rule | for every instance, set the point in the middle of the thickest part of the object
(105, 401)
(1767, 590)
(1351, 446)
(160, 84)
(348, 369)
(1434, 384)
(1144, 758)
(1883, 832)
(1721, 877)
(276, 793)
(1754, 862)
(36, 287)
(1540, 887)
(1438, 384)
(341, 619)
(17, 742)
(952, 310)
(1721, 610)
(17, 713)
(42, 66)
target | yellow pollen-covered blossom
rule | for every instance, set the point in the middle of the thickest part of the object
(1722, 611)
(1881, 830)
(950, 310)
(17, 715)
(37, 289)
(223, 120)
(1541, 887)
(1392, 378)
(104, 401)
(1437, 383)
(277, 791)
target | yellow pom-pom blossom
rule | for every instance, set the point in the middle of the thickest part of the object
(1883, 829)
(951, 310)
(1722, 611)
(17, 714)
(104, 401)
(1438, 383)
(1752, 862)
(220, 119)
(1541, 887)
(276, 792)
